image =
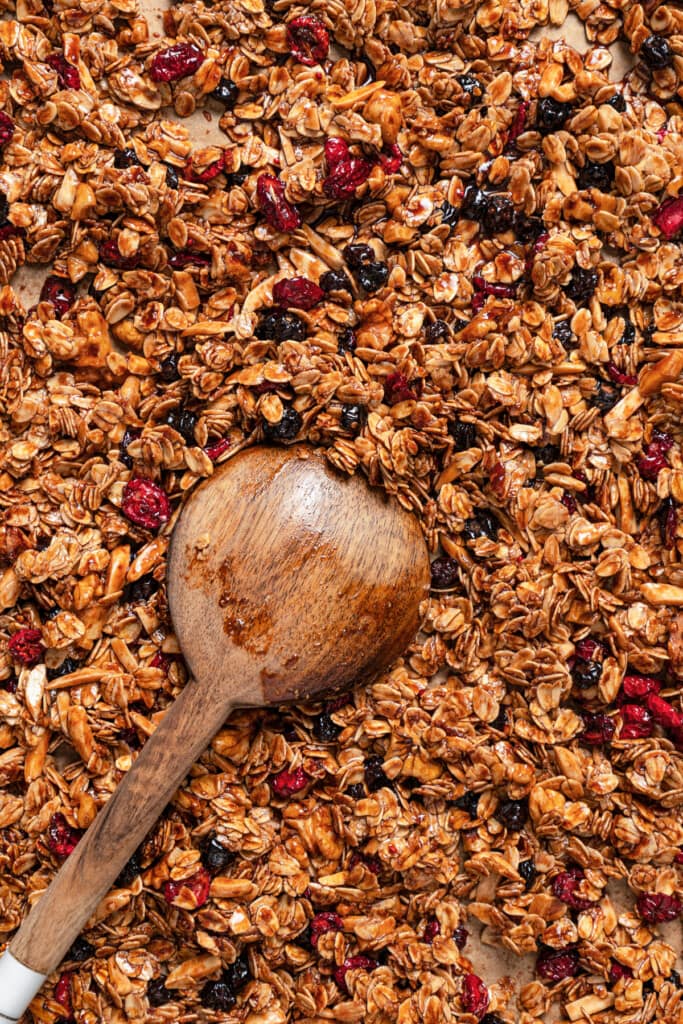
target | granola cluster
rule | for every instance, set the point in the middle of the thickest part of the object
(447, 250)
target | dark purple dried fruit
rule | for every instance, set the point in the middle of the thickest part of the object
(499, 215)
(60, 292)
(275, 207)
(450, 215)
(565, 887)
(586, 674)
(335, 281)
(215, 856)
(582, 285)
(157, 993)
(513, 814)
(547, 454)
(372, 276)
(445, 573)
(129, 872)
(474, 204)
(357, 254)
(563, 333)
(656, 52)
(285, 429)
(468, 802)
(298, 292)
(618, 102)
(551, 115)
(464, 435)
(184, 422)
(217, 995)
(168, 368)
(172, 179)
(557, 964)
(352, 418)
(226, 92)
(527, 870)
(471, 86)
(65, 668)
(667, 517)
(604, 397)
(141, 590)
(126, 158)
(438, 331)
(600, 176)
(324, 729)
(68, 76)
(657, 907)
(278, 326)
(482, 524)
(597, 729)
(375, 776)
(80, 950)
(346, 342)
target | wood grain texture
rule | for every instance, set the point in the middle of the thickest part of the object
(87, 875)
(293, 577)
(284, 579)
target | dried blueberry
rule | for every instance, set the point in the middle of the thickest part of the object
(239, 973)
(513, 814)
(450, 215)
(168, 368)
(184, 422)
(346, 342)
(527, 870)
(226, 92)
(562, 332)
(324, 729)
(215, 856)
(468, 802)
(372, 276)
(141, 590)
(285, 429)
(464, 434)
(604, 397)
(656, 52)
(547, 453)
(157, 993)
(437, 331)
(500, 214)
(501, 719)
(4, 207)
(80, 950)
(356, 790)
(352, 417)
(482, 524)
(217, 995)
(618, 102)
(551, 115)
(528, 229)
(445, 573)
(586, 673)
(126, 158)
(470, 85)
(130, 871)
(335, 281)
(172, 179)
(375, 776)
(67, 666)
(474, 204)
(128, 436)
(581, 285)
(358, 254)
(600, 176)
(491, 1018)
(279, 326)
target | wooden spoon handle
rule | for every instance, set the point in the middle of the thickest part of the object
(86, 876)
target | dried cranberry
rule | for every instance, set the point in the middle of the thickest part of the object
(619, 377)
(161, 661)
(432, 929)
(557, 964)
(663, 713)
(189, 258)
(218, 448)
(287, 783)
(207, 173)
(369, 861)
(324, 922)
(375, 776)
(60, 292)
(353, 963)
(198, 884)
(67, 75)
(656, 907)
(390, 159)
(215, 856)
(460, 936)
(637, 722)
(177, 61)
(346, 176)
(500, 291)
(111, 256)
(518, 125)
(475, 995)
(565, 885)
(617, 971)
(336, 150)
(26, 646)
(298, 292)
(6, 128)
(667, 516)
(308, 40)
(597, 729)
(653, 459)
(669, 217)
(277, 210)
(145, 503)
(588, 648)
(397, 389)
(63, 991)
(62, 839)
(445, 573)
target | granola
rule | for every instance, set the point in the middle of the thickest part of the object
(445, 247)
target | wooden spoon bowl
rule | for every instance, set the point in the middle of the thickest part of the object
(285, 579)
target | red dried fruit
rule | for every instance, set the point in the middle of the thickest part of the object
(353, 963)
(565, 887)
(178, 61)
(500, 291)
(287, 783)
(541, 241)
(390, 159)
(598, 729)
(669, 217)
(189, 258)
(297, 292)
(557, 964)
(651, 462)
(336, 151)
(68, 76)
(663, 713)
(62, 839)
(198, 884)
(373, 864)
(63, 992)
(26, 646)
(619, 377)
(460, 937)
(617, 971)
(569, 502)
(589, 649)
(6, 129)
(10, 230)
(325, 922)
(346, 176)
(518, 125)
(397, 389)
(210, 172)
(218, 448)
(667, 516)
(111, 255)
(475, 995)
(60, 292)
(678, 859)
(432, 929)
(640, 686)
(161, 660)
(637, 721)
(656, 907)
(308, 40)
(277, 210)
(145, 503)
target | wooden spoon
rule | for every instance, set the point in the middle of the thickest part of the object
(285, 579)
